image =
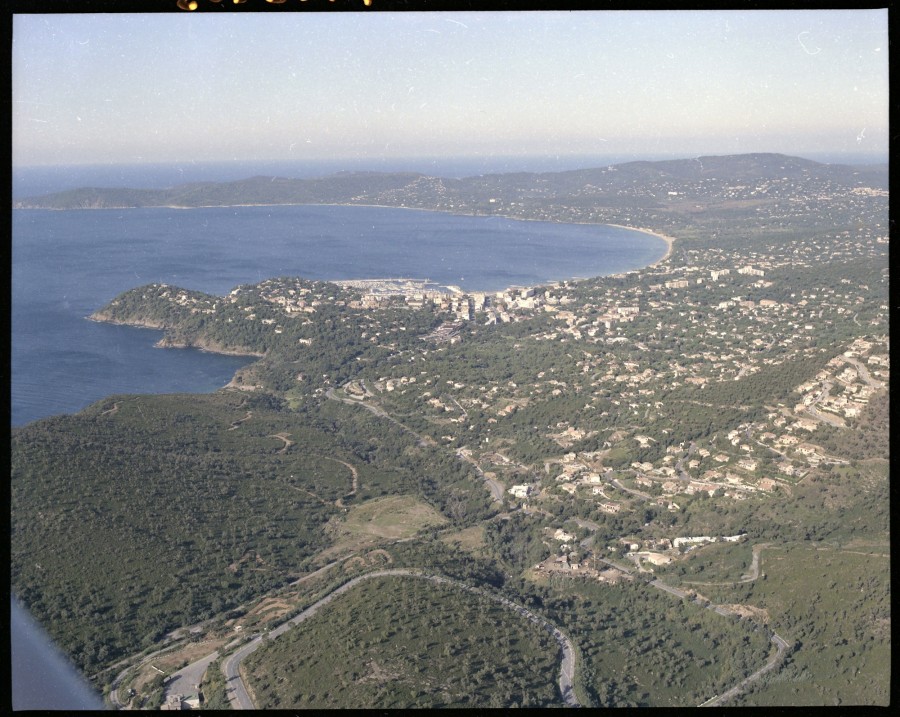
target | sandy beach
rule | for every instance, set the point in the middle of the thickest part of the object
(670, 241)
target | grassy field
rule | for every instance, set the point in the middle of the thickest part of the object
(713, 563)
(468, 539)
(399, 642)
(383, 519)
(834, 603)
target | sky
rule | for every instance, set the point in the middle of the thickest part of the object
(177, 87)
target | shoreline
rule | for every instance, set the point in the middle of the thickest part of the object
(166, 342)
(670, 242)
(643, 230)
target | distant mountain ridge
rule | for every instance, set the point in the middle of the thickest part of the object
(639, 181)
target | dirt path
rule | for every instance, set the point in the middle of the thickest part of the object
(352, 469)
(112, 411)
(238, 423)
(310, 493)
(282, 437)
(339, 503)
(754, 565)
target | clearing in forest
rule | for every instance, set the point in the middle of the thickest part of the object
(390, 518)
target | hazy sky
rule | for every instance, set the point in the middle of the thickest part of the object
(99, 88)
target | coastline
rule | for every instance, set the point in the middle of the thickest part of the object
(211, 348)
(667, 239)
(670, 241)
(168, 343)
(207, 346)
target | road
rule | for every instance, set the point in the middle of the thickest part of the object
(381, 413)
(240, 699)
(465, 414)
(780, 643)
(864, 373)
(185, 682)
(781, 647)
(682, 473)
(814, 413)
(616, 484)
(747, 577)
(114, 687)
(830, 420)
(669, 589)
(497, 492)
(114, 695)
(234, 685)
(493, 486)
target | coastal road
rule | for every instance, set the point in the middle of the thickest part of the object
(240, 698)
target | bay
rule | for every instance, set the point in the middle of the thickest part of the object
(67, 264)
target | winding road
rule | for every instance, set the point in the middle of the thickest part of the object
(780, 643)
(496, 490)
(240, 698)
(381, 413)
(748, 577)
(781, 647)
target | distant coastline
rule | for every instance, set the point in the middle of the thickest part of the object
(670, 241)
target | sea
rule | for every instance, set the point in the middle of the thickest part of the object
(68, 264)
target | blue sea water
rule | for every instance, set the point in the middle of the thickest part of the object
(67, 264)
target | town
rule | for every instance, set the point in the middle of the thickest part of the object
(632, 343)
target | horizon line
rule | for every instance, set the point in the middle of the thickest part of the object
(878, 156)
